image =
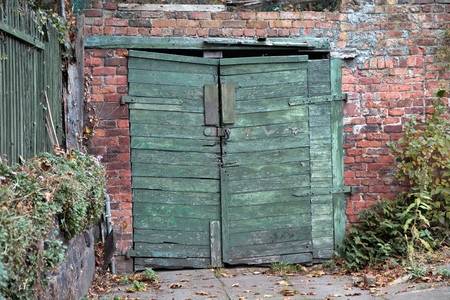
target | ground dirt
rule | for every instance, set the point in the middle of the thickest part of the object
(270, 283)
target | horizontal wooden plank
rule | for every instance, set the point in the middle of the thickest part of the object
(170, 66)
(152, 100)
(266, 157)
(170, 250)
(166, 118)
(324, 208)
(305, 257)
(174, 158)
(269, 184)
(264, 60)
(271, 143)
(170, 131)
(271, 236)
(165, 91)
(175, 144)
(173, 57)
(210, 43)
(294, 114)
(171, 223)
(265, 171)
(166, 197)
(323, 242)
(270, 223)
(264, 131)
(165, 170)
(186, 105)
(176, 184)
(268, 78)
(273, 249)
(272, 91)
(268, 210)
(268, 197)
(142, 263)
(251, 68)
(171, 78)
(262, 105)
(175, 210)
(171, 236)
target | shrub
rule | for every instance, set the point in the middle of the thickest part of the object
(47, 196)
(420, 218)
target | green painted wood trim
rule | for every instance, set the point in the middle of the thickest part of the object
(21, 36)
(173, 57)
(135, 42)
(263, 60)
(224, 202)
(215, 244)
(337, 153)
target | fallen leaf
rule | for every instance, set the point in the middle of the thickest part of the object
(288, 292)
(235, 284)
(201, 293)
(175, 285)
(353, 294)
(283, 283)
(256, 273)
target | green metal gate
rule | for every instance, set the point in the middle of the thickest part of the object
(235, 160)
(30, 68)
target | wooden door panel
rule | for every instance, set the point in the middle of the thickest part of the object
(175, 175)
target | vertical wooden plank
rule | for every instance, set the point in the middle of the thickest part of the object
(216, 244)
(228, 95)
(211, 102)
(339, 218)
(337, 153)
(224, 199)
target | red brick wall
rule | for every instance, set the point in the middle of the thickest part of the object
(393, 76)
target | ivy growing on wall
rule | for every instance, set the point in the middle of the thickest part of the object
(44, 202)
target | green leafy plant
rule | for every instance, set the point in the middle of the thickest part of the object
(418, 220)
(53, 253)
(150, 275)
(423, 164)
(46, 197)
(444, 272)
(137, 286)
(417, 271)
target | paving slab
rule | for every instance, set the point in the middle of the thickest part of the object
(257, 284)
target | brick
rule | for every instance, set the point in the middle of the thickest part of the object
(280, 23)
(393, 128)
(93, 13)
(104, 71)
(115, 61)
(233, 24)
(116, 22)
(257, 24)
(200, 15)
(264, 15)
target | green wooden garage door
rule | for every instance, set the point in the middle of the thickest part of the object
(234, 160)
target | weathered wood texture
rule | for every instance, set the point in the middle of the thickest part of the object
(30, 66)
(174, 165)
(273, 178)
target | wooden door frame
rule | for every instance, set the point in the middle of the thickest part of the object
(189, 43)
(302, 44)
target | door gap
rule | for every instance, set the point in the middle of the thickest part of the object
(312, 54)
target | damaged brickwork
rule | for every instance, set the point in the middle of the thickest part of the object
(390, 73)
